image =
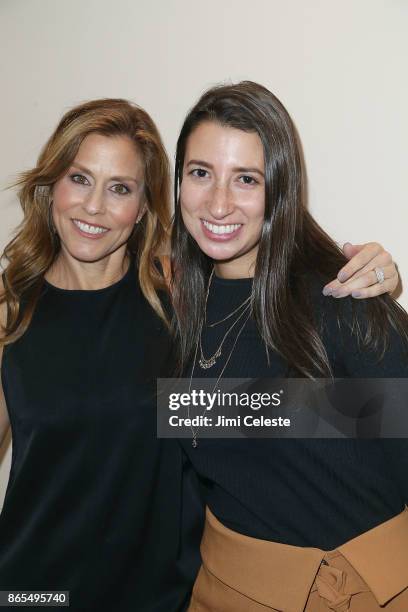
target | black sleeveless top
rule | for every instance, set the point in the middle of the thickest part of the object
(93, 503)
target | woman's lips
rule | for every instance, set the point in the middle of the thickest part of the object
(220, 232)
(89, 230)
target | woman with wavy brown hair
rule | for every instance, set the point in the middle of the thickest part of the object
(292, 524)
(94, 500)
(84, 336)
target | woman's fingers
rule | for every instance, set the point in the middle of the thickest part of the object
(365, 280)
(388, 286)
(367, 258)
(358, 278)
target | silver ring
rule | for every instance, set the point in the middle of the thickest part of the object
(379, 272)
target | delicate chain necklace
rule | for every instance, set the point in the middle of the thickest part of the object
(194, 431)
(248, 299)
(204, 362)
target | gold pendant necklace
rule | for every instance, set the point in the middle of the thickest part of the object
(194, 431)
(204, 362)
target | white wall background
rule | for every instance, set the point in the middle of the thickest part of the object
(339, 66)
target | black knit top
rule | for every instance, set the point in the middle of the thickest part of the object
(316, 492)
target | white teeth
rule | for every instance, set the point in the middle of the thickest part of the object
(89, 229)
(221, 229)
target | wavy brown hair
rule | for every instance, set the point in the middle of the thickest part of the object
(294, 251)
(35, 246)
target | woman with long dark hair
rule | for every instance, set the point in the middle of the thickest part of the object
(291, 524)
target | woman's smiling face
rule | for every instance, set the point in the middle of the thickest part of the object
(98, 201)
(222, 195)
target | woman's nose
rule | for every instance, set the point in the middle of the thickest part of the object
(220, 203)
(94, 202)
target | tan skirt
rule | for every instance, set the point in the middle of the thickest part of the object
(241, 574)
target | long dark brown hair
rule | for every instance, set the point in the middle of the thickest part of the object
(35, 246)
(291, 247)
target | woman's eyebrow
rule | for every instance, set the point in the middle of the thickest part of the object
(200, 162)
(124, 178)
(112, 178)
(245, 169)
(81, 167)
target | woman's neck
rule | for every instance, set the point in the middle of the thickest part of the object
(70, 273)
(241, 266)
(233, 269)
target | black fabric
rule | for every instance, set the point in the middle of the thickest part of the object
(302, 492)
(94, 502)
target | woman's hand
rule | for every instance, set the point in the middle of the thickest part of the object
(357, 277)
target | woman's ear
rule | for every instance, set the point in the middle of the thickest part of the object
(141, 213)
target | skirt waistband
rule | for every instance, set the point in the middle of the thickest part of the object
(268, 571)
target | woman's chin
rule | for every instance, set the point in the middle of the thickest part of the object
(89, 255)
(216, 250)
(219, 255)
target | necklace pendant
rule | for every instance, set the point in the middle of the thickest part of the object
(194, 443)
(208, 363)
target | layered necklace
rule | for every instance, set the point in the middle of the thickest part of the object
(243, 308)
(243, 312)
